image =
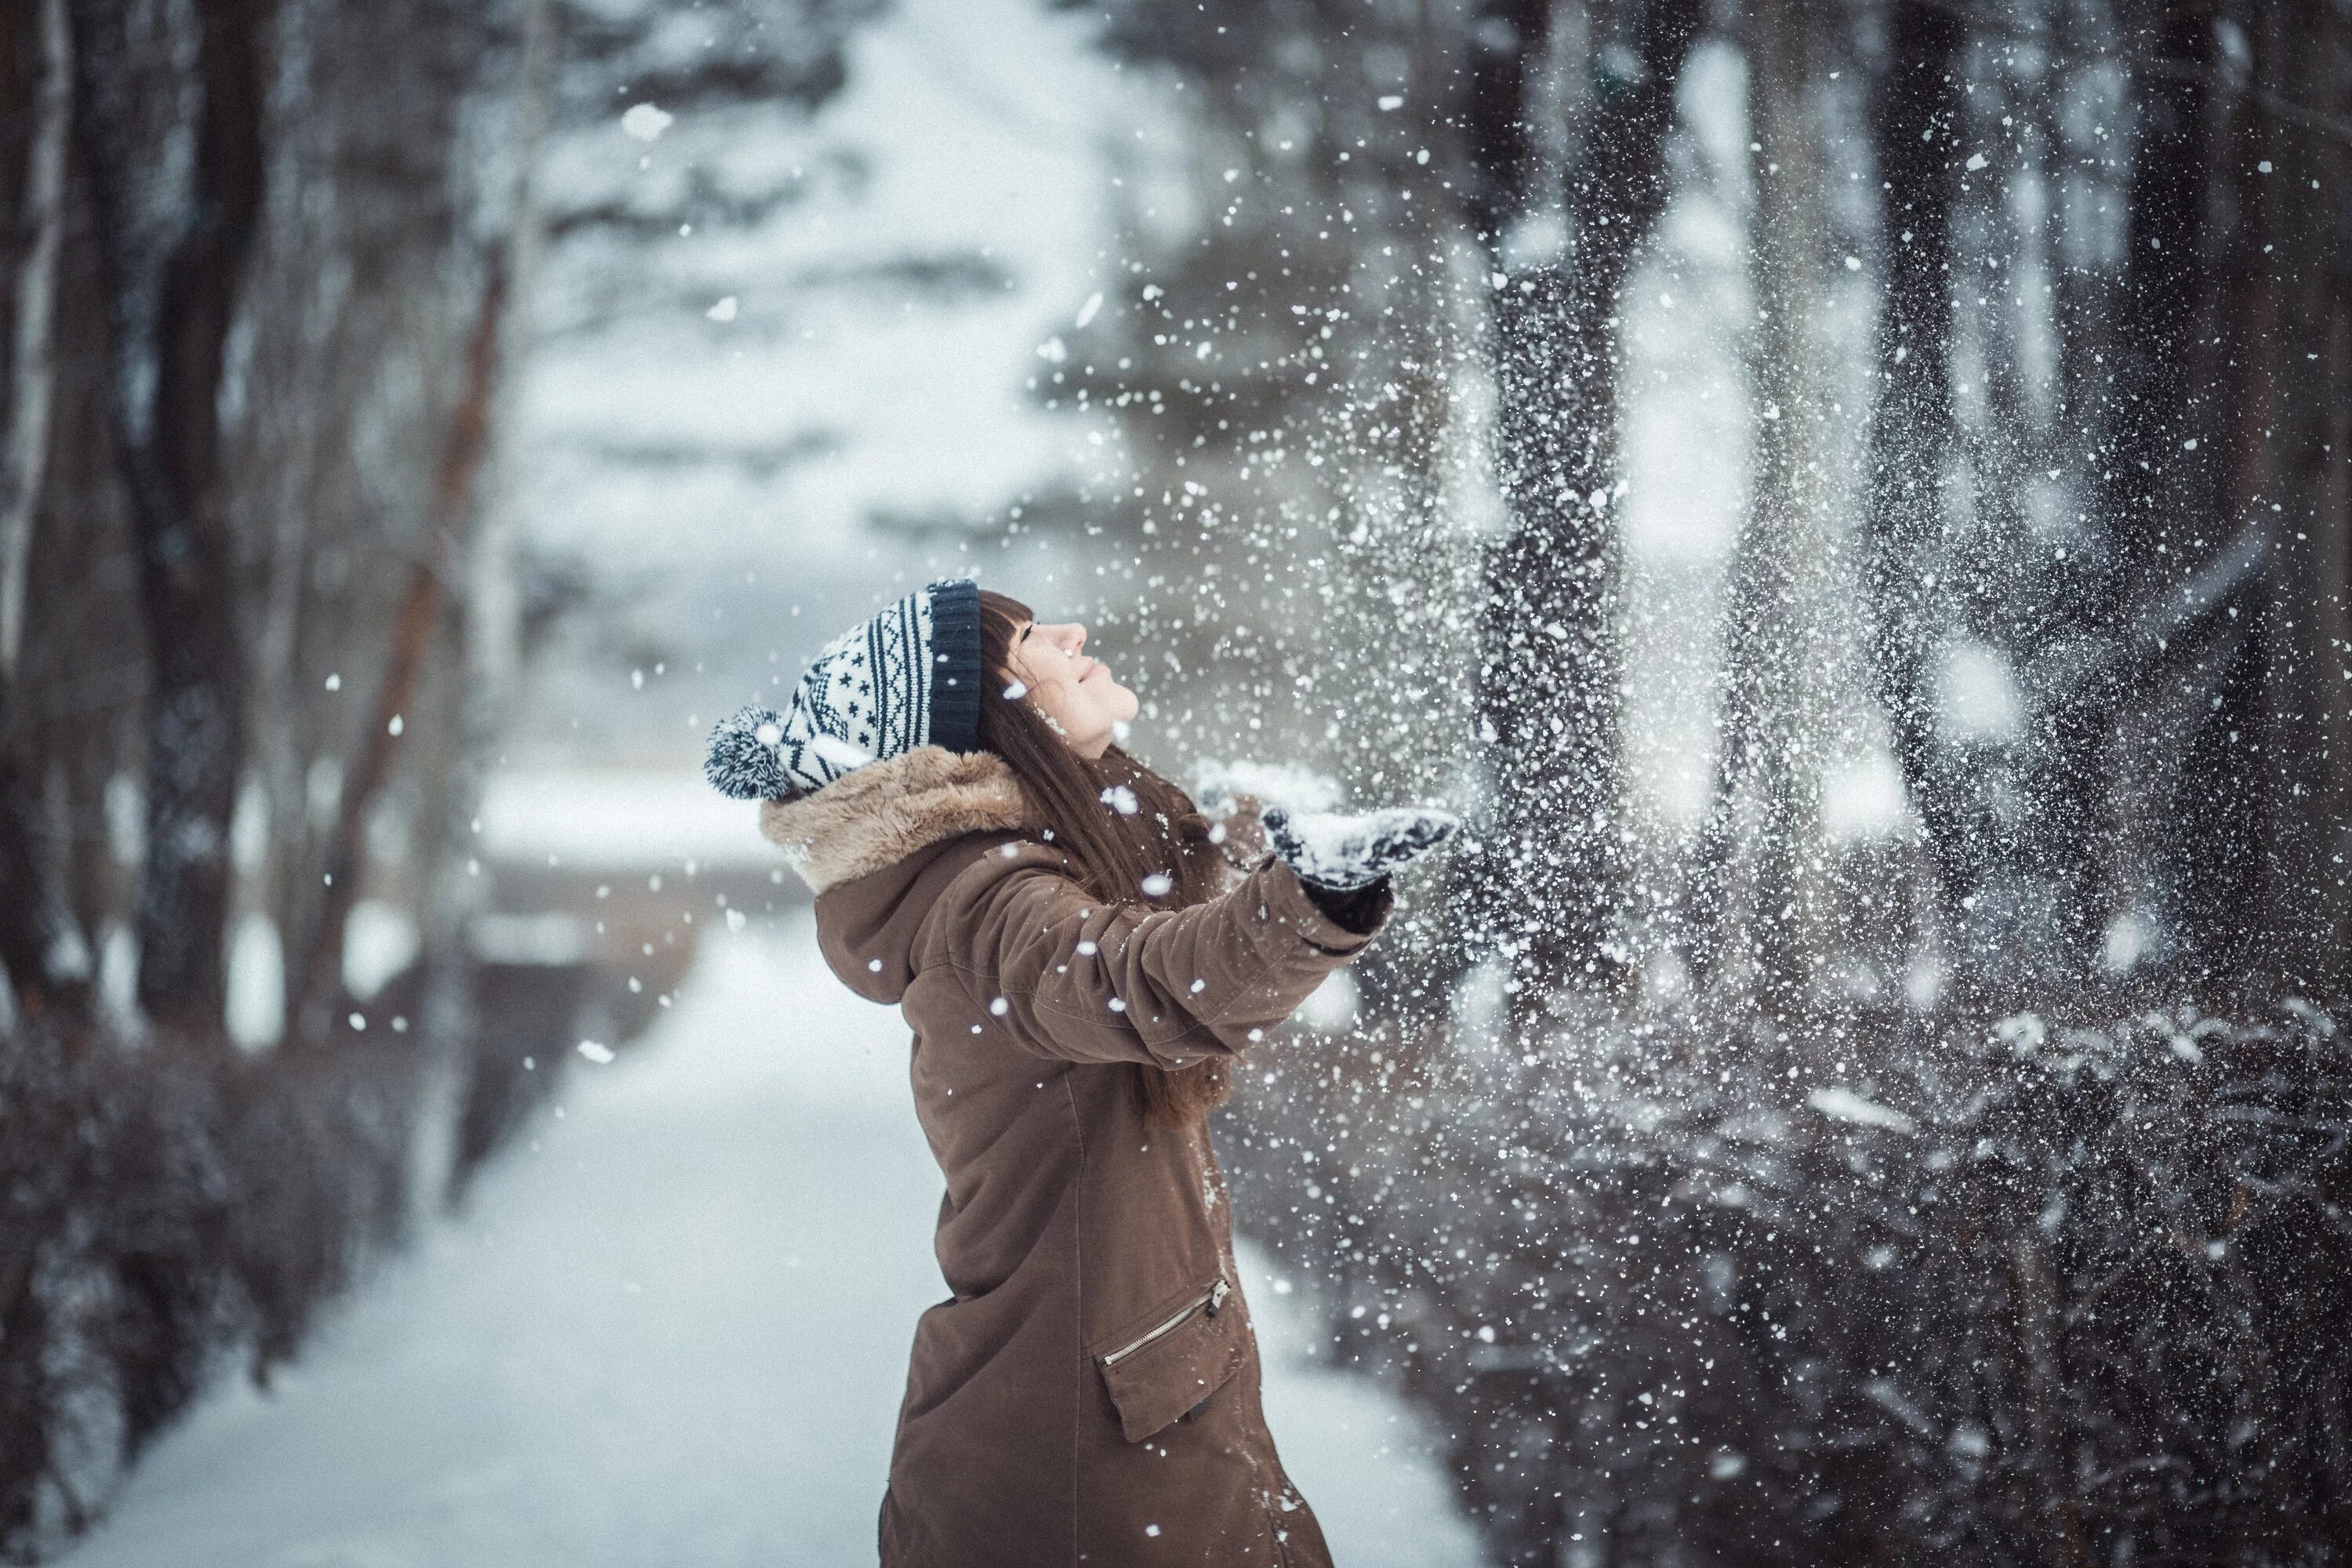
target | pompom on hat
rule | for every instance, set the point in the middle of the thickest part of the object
(909, 676)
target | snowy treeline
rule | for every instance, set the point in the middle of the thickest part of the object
(261, 616)
(255, 283)
(1855, 495)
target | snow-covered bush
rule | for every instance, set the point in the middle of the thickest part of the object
(159, 1217)
(2036, 1292)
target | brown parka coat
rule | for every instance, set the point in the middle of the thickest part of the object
(1090, 1393)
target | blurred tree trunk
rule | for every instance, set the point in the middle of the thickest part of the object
(171, 306)
(2150, 479)
(416, 621)
(2016, 802)
(1915, 116)
(1760, 903)
(35, 62)
(490, 654)
(22, 949)
(456, 603)
(2294, 469)
(36, 65)
(2213, 852)
(2151, 486)
(1569, 109)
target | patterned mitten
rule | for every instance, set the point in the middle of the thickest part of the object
(1342, 851)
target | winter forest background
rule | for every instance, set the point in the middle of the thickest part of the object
(1850, 497)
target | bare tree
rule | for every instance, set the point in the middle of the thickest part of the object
(174, 266)
(40, 66)
(1914, 126)
(1760, 889)
(2293, 468)
(418, 618)
(35, 56)
(1567, 117)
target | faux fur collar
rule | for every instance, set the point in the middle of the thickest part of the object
(883, 812)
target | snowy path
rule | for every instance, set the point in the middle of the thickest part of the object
(673, 1333)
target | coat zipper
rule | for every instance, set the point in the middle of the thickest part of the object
(1214, 1299)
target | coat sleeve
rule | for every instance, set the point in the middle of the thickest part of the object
(1073, 979)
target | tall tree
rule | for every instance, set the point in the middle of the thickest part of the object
(1759, 897)
(1568, 117)
(2154, 478)
(36, 64)
(2291, 462)
(1914, 110)
(35, 61)
(174, 263)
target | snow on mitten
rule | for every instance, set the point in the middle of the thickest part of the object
(1285, 785)
(1236, 796)
(1342, 851)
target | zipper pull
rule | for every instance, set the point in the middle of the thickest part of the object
(1217, 1296)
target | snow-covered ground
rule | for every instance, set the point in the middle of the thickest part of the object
(671, 1329)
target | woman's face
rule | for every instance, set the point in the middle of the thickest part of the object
(1072, 690)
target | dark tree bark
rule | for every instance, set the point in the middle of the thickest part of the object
(1915, 111)
(2213, 853)
(2152, 498)
(2294, 465)
(1553, 887)
(171, 308)
(36, 68)
(23, 945)
(1758, 899)
(1507, 51)
(2148, 485)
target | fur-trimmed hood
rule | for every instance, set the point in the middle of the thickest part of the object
(885, 811)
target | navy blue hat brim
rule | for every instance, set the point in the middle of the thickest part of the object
(955, 664)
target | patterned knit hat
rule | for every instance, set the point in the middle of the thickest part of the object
(907, 678)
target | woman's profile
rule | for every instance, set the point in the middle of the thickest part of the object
(1082, 961)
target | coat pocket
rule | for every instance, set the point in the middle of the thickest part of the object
(1176, 1363)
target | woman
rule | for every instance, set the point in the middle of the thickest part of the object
(1055, 921)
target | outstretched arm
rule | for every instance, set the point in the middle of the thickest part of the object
(1085, 982)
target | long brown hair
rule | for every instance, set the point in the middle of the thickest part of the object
(1120, 855)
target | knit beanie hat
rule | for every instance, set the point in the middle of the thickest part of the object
(907, 678)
